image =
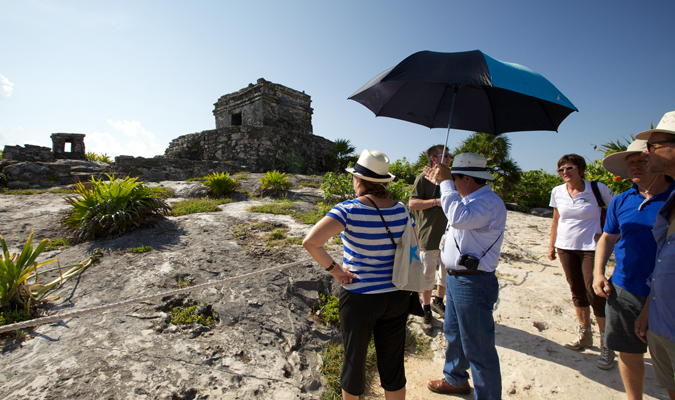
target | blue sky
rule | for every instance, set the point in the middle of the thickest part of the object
(133, 75)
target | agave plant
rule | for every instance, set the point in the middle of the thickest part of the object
(15, 270)
(112, 208)
(220, 183)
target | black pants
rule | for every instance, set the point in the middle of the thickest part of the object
(382, 316)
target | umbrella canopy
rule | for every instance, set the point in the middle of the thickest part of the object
(466, 90)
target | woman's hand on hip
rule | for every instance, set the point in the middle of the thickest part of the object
(343, 275)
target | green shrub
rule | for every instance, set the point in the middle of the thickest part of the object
(329, 311)
(405, 171)
(337, 187)
(595, 172)
(112, 208)
(534, 189)
(15, 269)
(278, 234)
(220, 183)
(91, 156)
(400, 191)
(193, 206)
(274, 183)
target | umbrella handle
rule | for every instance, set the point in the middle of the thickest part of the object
(452, 109)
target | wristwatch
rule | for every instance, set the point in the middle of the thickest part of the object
(332, 265)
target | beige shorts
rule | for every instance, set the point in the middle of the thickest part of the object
(662, 351)
(431, 261)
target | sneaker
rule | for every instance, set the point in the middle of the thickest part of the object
(427, 317)
(438, 308)
(606, 360)
(583, 339)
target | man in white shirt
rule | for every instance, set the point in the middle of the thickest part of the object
(476, 222)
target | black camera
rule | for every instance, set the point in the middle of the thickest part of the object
(469, 262)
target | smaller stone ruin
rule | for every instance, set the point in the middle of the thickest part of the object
(76, 142)
(29, 153)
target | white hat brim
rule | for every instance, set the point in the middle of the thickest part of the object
(476, 174)
(367, 178)
(646, 134)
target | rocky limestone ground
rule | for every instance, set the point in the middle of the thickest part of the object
(266, 342)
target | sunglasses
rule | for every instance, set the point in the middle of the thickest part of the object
(563, 169)
(447, 155)
(650, 145)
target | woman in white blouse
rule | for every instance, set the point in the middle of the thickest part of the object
(575, 230)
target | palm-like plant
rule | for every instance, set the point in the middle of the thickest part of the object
(16, 268)
(342, 153)
(496, 150)
(112, 208)
(615, 147)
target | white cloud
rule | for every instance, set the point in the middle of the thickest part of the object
(6, 87)
(129, 138)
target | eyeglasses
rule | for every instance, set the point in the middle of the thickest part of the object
(650, 145)
(569, 168)
(447, 155)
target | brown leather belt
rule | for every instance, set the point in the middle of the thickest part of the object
(455, 272)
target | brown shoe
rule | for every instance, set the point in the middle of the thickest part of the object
(443, 387)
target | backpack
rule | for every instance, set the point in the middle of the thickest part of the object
(601, 203)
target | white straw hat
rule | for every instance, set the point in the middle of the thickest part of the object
(667, 125)
(372, 166)
(616, 163)
(471, 164)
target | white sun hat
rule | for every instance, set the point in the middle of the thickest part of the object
(471, 164)
(616, 163)
(372, 166)
(667, 125)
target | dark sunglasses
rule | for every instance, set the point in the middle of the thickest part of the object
(650, 145)
(570, 168)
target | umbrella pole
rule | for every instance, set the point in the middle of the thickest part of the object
(452, 109)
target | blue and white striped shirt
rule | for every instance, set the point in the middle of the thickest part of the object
(369, 252)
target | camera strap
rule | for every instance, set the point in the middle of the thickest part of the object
(485, 252)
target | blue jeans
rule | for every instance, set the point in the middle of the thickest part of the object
(470, 331)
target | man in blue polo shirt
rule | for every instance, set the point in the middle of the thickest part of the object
(628, 231)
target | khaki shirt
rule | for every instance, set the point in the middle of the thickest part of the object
(431, 223)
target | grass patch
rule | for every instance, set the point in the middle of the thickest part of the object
(9, 316)
(194, 179)
(36, 191)
(283, 207)
(193, 206)
(309, 184)
(332, 367)
(294, 240)
(187, 315)
(183, 283)
(421, 345)
(164, 193)
(58, 244)
(278, 234)
(142, 249)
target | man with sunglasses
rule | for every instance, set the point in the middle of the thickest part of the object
(628, 232)
(425, 201)
(656, 323)
(475, 232)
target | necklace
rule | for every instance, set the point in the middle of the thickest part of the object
(650, 186)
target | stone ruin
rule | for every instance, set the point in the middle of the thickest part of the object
(263, 127)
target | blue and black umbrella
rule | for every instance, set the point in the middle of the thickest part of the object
(466, 90)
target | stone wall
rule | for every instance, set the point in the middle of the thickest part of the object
(77, 150)
(168, 169)
(265, 104)
(257, 149)
(28, 153)
(33, 175)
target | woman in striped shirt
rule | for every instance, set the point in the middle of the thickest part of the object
(370, 304)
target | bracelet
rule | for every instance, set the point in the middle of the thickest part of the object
(332, 265)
